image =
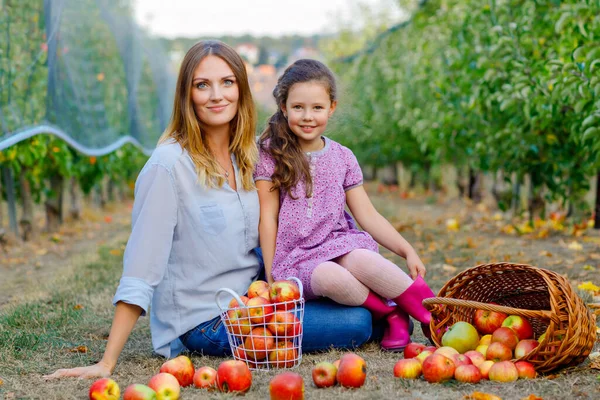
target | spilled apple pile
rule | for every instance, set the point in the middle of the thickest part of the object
(470, 353)
(266, 329)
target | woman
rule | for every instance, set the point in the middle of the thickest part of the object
(195, 224)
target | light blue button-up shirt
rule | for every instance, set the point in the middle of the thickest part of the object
(186, 242)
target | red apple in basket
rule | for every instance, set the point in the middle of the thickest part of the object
(284, 291)
(284, 355)
(237, 321)
(505, 336)
(265, 294)
(259, 343)
(408, 368)
(139, 392)
(323, 374)
(503, 371)
(259, 310)
(352, 371)
(165, 385)
(256, 288)
(525, 347)
(526, 370)
(287, 386)
(205, 378)
(234, 376)
(413, 349)
(234, 303)
(181, 368)
(467, 374)
(239, 353)
(284, 323)
(488, 321)
(438, 368)
(520, 326)
(498, 352)
(104, 389)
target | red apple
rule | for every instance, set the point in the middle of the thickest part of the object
(467, 374)
(423, 355)
(526, 370)
(352, 371)
(205, 378)
(165, 385)
(525, 347)
(259, 343)
(438, 368)
(259, 310)
(104, 389)
(237, 322)
(234, 303)
(284, 324)
(461, 359)
(461, 336)
(408, 368)
(323, 374)
(239, 353)
(520, 326)
(139, 392)
(234, 376)
(256, 288)
(285, 355)
(476, 357)
(498, 352)
(284, 292)
(432, 349)
(287, 386)
(488, 321)
(505, 336)
(413, 349)
(181, 368)
(446, 351)
(484, 368)
(503, 371)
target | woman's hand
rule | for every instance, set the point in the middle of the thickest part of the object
(415, 265)
(100, 370)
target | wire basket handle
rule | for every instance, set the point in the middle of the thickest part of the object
(239, 300)
(431, 302)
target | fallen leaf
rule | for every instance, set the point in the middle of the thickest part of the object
(116, 252)
(545, 253)
(595, 364)
(79, 349)
(471, 243)
(589, 286)
(449, 268)
(452, 224)
(78, 307)
(588, 267)
(595, 256)
(574, 245)
(1, 382)
(532, 397)
(482, 396)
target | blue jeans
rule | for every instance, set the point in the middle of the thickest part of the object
(326, 325)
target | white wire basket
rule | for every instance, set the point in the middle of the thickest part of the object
(267, 335)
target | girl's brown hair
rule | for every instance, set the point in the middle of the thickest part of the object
(184, 126)
(278, 140)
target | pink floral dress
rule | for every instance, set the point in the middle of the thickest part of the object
(318, 229)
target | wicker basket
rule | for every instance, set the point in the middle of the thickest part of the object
(544, 297)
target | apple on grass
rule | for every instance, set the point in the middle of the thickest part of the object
(284, 355)
(104, 389)
(525, 347)
(165, 385)
(503, 371)
(467, 374)
(488, 321)
(352, 371)
(423, 355)
(461, 336)
(256, 288)
(476, 357)
(205, 378)
(519, 325)
(526, 370)
(461, 359)
(139, 392)
(505, 336)
(413, 349)
(484, 368)
(324, 374)
(234, 376)
(498, 352)
(287, 386)
(181, 368)
(438, 368)
(259, 310)
(284, 292)
(408, 368)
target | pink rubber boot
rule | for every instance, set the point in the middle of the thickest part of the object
(411, 301)
(396, 335)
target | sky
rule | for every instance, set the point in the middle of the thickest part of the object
(193, 18)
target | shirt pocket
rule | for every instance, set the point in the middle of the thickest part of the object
(212, 219)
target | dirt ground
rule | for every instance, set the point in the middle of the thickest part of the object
(480, 237)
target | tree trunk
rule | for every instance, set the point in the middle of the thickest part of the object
(460, 185)
(1, 206)
(54, 217)
(597, 207)
(75, 194)
(475, 179)
(390, 175)
(102, 191)
(516, 197)
(27, 222)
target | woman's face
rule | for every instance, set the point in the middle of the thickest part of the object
(215, 92)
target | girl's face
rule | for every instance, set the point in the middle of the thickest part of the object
(308, 108)
(215, 92)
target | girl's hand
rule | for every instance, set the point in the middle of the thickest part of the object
(415, 265)
(99, 370)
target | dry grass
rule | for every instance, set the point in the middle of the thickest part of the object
(39, 336)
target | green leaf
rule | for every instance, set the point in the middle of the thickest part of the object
(558, 27)
(591, 133)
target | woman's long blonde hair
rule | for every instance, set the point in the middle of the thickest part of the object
(184, 126)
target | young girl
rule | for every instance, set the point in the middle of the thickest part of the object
(304, 182)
